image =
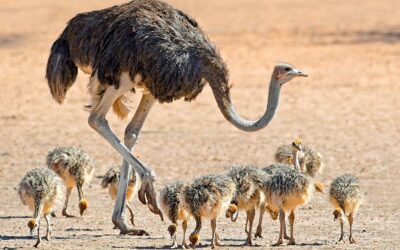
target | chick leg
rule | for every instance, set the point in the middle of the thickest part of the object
(250, 215)
(282, 227)
(215, 237)
(38, 235)
(341, 231)
(246, 230)
(184, 228)
(291, 221)
(132, 214)
(260, 221)
(350, 219)
(64, 211)
(48, 233)
(285, 235)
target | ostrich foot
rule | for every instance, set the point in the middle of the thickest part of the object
(219, 244)
(341, 240)
(121, 224)
(47, 237)
(37, 242)
(185, 245)
(135, 232)
(248, 242)
(147, 195)
(64, 213)
(258, 233)
(292, 242)
(278, 243)
(352, 240)
(174, 245)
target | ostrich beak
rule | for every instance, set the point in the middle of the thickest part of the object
(296, 72)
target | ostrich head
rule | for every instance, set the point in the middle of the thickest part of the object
(296, 145)
(272, 213)
(83, 205)
(232, 212)
(32, 225)
(172, 230)
(194, 239)
(284, 72)
(337, 214)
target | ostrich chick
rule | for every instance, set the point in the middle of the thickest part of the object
(287, 189)
(40, 189)
(310, 160)
(345, 196)
(294, 161)
(172, 206)
(249, 193)
(207, 197)
(76, 168)
(111, 181)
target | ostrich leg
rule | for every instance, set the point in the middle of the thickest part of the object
(98, 122)
(131, 135)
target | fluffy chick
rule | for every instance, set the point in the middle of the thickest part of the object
(76, 168)
(171, 205)
(249, 194)
(40, 190)
(345, 196)
(207, 197)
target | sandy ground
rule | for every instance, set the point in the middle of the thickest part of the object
(348, 109)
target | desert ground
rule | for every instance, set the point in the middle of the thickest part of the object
(348, 109)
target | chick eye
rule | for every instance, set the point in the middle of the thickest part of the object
(287, 69)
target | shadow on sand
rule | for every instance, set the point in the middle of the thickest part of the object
(359, 37)
(14, 217)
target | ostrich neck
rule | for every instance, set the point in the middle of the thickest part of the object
(228, 110)
(38, 210)
(296, 160)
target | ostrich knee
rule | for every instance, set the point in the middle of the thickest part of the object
(131, 137)
(95, 121)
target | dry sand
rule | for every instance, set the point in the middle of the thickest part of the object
(348, 109)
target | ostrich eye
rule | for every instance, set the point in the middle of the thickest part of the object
(287, 69)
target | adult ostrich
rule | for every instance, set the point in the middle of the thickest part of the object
(150, 46)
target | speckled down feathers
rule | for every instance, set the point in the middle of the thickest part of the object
(271, 169)
(210, 190)
(248, 181)
(345, 187)
(41, 184)
(74, 160)
(112, 176)
(170, 198)
(287, 181)
(310, 160)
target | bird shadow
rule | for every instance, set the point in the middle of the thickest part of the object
(14, 237)
(14, 217)
(154, 247)
(312, 244)
(82, 230)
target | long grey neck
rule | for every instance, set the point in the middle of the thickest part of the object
(228, 110)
